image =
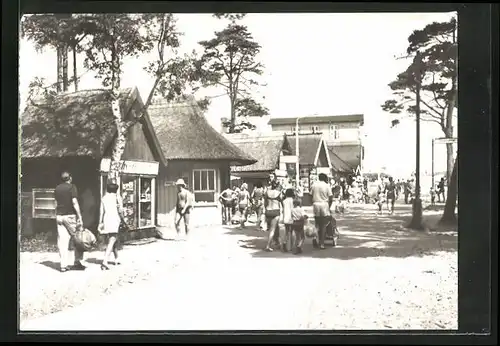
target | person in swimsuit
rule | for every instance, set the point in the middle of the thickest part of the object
(226, 201)
(273, 205)
(258, 203)
(243, 202)
(183, 206)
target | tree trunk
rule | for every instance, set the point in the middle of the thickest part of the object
(449, 217)
(449, 161)
(64, 57)
(59, 69)
(119, 145)
(75, 76)
(232, 123)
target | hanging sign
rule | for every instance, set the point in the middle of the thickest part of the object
(132, 167)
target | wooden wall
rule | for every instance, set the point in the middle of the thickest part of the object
(46, 173)
(322, 157)
(138, 146)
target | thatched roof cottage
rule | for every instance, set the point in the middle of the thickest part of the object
(268, 149)
(76, 132)
(195, 152)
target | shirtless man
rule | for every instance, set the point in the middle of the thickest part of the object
(322, 197)
(226, 200)
(183, 207)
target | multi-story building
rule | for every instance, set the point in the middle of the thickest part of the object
(342, 133)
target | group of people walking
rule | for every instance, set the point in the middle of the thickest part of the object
(275, 204)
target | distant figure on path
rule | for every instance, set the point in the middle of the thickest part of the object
(110, 217)
(258, 203)
(441, 190)
(390, 194)
(68, 219)
(322, 199)
(433, 195)
(184, 206)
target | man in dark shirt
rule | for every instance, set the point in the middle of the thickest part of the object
(441, 191)
(69, 218)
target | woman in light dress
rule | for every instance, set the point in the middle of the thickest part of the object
(111, 216)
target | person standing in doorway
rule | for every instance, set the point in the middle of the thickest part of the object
(322, 198)
(183, 207)
(68, 219)
(441, 190)
(110, 217)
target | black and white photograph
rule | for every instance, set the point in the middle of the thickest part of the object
(238, 171)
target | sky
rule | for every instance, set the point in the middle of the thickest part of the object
(315, 64)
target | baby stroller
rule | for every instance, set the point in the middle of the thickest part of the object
(332, 232)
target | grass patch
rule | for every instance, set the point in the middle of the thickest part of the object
(40, 242)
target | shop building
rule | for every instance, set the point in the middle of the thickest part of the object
(195, 152)
(270, 151)
(75, 132)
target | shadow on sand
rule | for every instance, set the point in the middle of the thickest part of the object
(363, 234)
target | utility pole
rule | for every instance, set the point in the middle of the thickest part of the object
(432, 167)
(416, 221)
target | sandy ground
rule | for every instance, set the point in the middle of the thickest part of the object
(379, 277)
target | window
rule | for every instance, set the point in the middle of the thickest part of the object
(44, 204)
(315, 129)
(293, 129)
(334, 132)
(204, 185)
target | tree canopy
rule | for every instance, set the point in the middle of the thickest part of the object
(229, 60)
(436, 73)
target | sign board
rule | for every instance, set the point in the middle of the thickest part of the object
(132, 167)
(324, 170)
(288, 158)
(445, 140)
(280, 173)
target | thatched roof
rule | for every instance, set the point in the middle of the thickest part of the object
(266, 148)
(319, 119)
(185, 134)
(349, 154)
(71, 124)
(309, 144)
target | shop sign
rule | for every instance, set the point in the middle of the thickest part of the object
(280, 173)
(132, 167)
(324, 170)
